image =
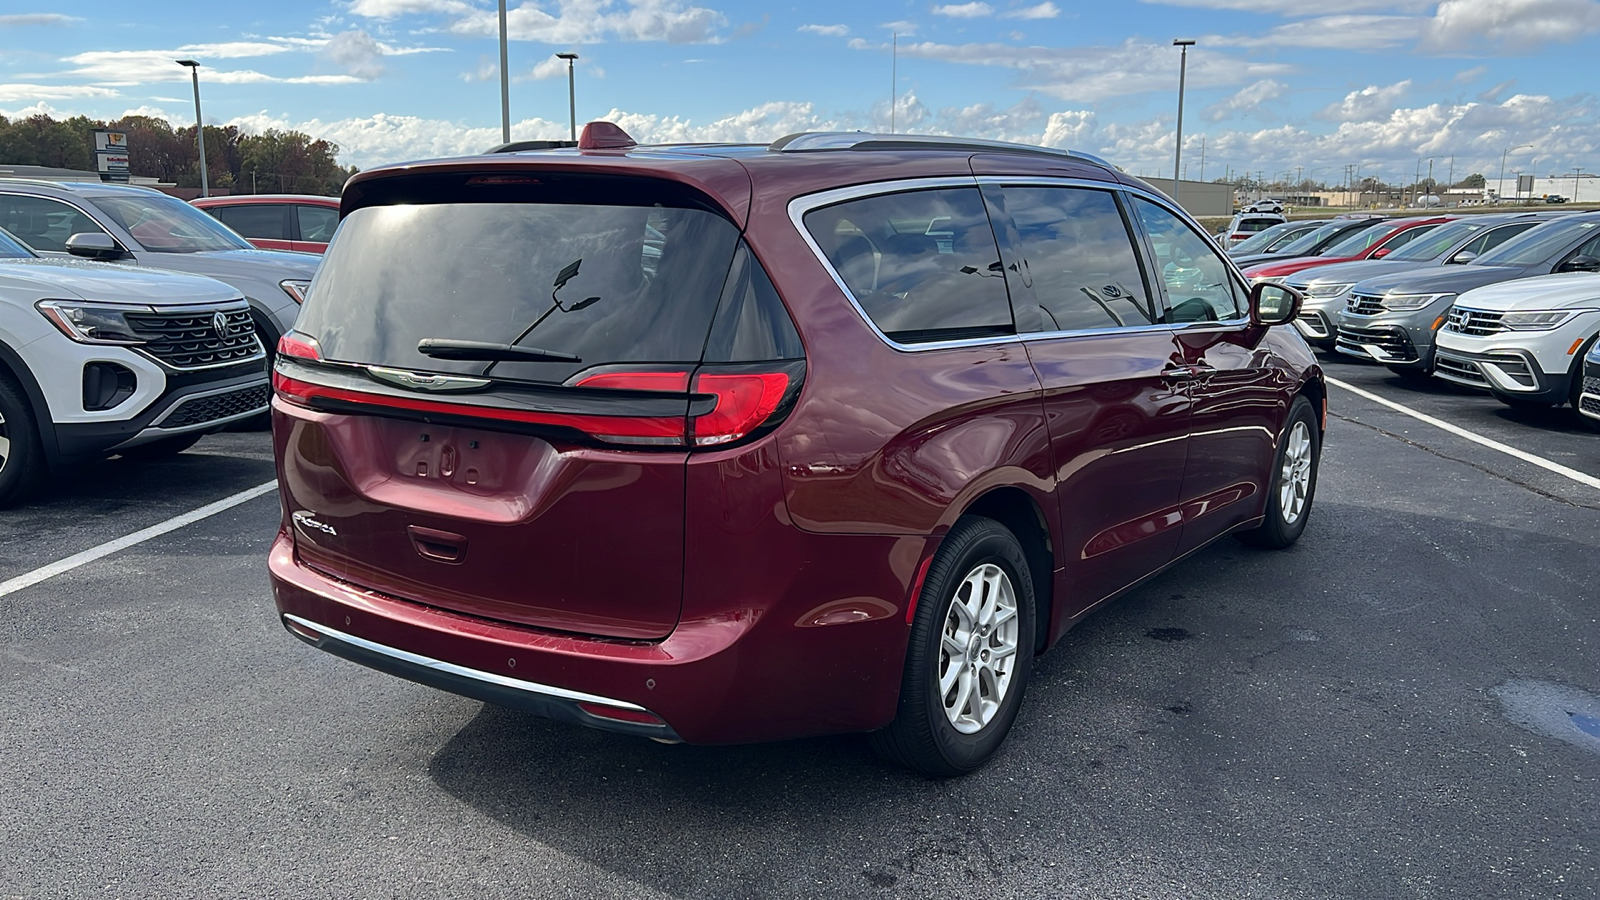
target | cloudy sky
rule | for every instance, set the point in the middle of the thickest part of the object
(1272, 86)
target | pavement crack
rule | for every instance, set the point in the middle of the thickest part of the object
(1466, 462)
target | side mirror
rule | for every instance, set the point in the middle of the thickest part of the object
(94, 245)
(1380, 253)
(1273, 304)
(1463, 257)
(1580, 264)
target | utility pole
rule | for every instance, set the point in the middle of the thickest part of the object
(572, 93)
(894, 75)
(505, 82)
(1202, 157)
(1183, 70)
(199, 123)
(1575, 173)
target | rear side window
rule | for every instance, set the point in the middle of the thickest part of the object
(317, 222)
(1497, 236)
(923, 265)
(1075, 251)
(1406, 237)
(606, 284)
(42, 223)
(261, 221)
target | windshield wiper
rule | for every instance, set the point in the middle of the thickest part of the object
(446, 348)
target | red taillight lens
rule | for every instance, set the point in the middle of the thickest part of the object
(298, 345)
(638, 381)
(744, 401)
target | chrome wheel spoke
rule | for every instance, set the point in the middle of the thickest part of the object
(979, 641)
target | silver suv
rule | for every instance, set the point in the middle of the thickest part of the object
(143, 227)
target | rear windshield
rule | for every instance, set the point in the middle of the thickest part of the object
(1251, 226)
(165, 224)
(1261, 240)
(1438, 242)
(607, 284)
(1539, 244)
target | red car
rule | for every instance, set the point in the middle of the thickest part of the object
(1370, 243)
(724, 443)
(302, 222)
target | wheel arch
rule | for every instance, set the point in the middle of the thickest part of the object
(12, 364)
(1315, 390)
(1021, 513)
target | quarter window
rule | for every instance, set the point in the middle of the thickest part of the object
(923, 265)
(259, 221)
(1075, 251)
(1199, 288)
(42, 223)
(317, 223)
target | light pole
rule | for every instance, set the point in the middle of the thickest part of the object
(572, 92)
(1500, 193)
(505, 81)
(199, 124)
(1183, 70)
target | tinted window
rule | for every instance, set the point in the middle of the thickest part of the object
(1496, 237)
(1199, 288)
(1539, 244)
(260, 221)
(1357, 244)
(923, 265)
(641, 284)
(1326, 235)
(165, 224)
(752, 324)
(1404, 238)
(1076, 253)
(42, 223)
(1262, 240)
(317, 222)
(1254, 225)
(1439, 241)
(11, 248)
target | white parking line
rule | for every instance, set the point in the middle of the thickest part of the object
(1525, 456)
(29, 579)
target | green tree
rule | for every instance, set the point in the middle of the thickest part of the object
(1471, 181)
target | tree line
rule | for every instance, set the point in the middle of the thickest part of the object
(271, 162)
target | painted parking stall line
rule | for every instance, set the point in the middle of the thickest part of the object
(1582, 478)
(101, 551)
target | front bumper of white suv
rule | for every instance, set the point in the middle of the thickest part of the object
(1531, 366)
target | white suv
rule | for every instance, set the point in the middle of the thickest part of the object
(1524, 340)
(98, 359)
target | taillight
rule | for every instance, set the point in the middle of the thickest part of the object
(677, 382)
(744, 401)
(300, 346)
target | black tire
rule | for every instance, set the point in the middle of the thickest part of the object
(923, 737)
(1281, 529)
(22, 463)
(162, 448)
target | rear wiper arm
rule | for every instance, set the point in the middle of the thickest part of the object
(446, 348)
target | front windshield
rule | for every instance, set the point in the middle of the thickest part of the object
(164, 224)
(1539, 243)
(1437, 243)
(1259, 241)
(11, 248)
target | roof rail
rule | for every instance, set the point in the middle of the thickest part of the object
(519, 146)
(811, 141)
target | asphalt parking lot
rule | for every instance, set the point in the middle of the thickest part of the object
(1404, 705)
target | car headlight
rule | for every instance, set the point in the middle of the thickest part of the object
(1323, 290)
(296, 289)
(1539, 320)
(1403, 302)
(93, 323)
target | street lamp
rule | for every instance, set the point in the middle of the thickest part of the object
(199, 124)
(572, 92)
(505, 81)
(1500, 193)
(1183, 69)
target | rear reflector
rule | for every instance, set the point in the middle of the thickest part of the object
(744, 401)
(618, 714)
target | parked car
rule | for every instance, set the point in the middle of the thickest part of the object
(98, 359)
(1523, 341)
(300, 222)
(1391, 319)
(1264, 205)
(891, 414)
(1247, 224)
(1279, 235)
(1589, 396)
(1327, 289)
(1370, 243)
(1314, 243)
(135, 226)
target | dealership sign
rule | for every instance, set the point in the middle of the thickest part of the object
(111, 154)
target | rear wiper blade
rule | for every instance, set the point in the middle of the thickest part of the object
(446, 348)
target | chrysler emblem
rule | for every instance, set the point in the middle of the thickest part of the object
(424, 381)
(219, 322)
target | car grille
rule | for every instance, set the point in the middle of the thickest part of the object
(190, 340)
(1392, 341)
(1473, 322)
(1589, 400)
(1365, 305)
(1459, 370)
(200, 410)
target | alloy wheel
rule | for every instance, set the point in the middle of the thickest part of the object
(1294, 480)
(978, 648)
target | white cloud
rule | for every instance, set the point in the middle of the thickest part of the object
(1340, 32)
(825, 30)
(1045, 10)
(391, 9)
(1468, 76)
(551, 66)
(974, 10)
(1247, 100)
(900, 27)
(1294, 7)
(1370, 104)
(1521, 25)
(14, 92)
(592, 21)
(21, 20)
(357, 51)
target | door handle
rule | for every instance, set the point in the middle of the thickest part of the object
(1195, 370)
(439, 546)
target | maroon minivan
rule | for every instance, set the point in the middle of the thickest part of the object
(722, 443)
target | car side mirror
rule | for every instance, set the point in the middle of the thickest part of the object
(1273, 304)
(1380, 253)
(1463, 257)
(1580, 264)
(94, 245)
